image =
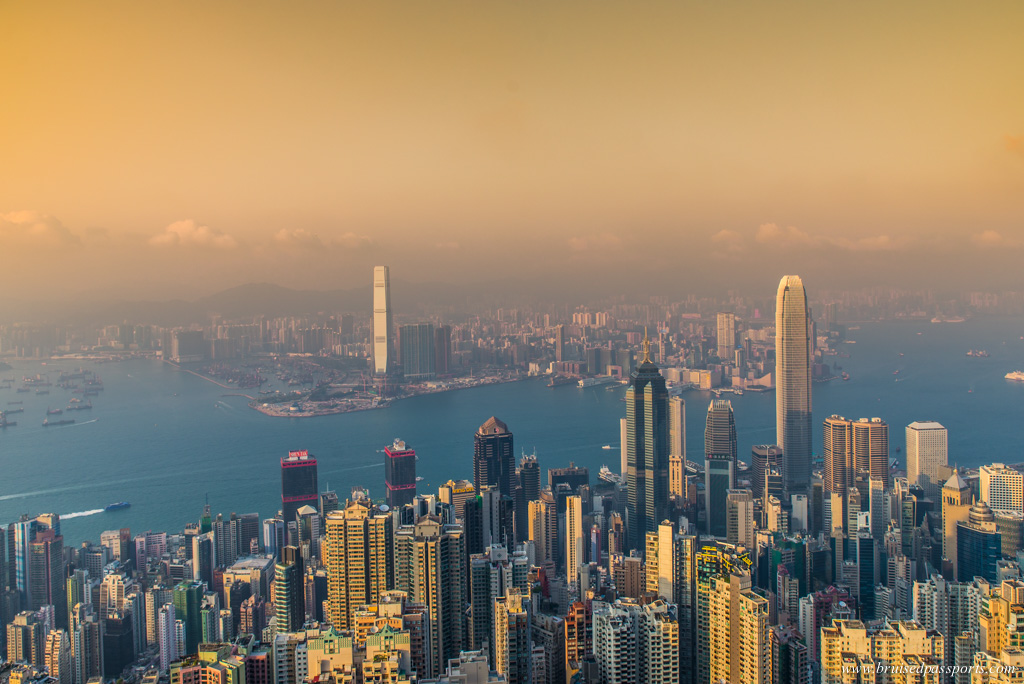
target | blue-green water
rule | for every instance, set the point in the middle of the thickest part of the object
(163, 439)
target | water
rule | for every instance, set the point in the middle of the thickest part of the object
(164, 440)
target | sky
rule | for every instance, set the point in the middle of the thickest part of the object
(159, 150)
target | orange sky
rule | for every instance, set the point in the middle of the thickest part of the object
(155, 149)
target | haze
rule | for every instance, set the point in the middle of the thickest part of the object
(171, 149)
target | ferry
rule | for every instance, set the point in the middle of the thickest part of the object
(1016, 376)
(606, 475)
(116, 506)
(608, 446)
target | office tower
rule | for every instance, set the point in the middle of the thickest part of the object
(573, 539)
(978, 545)
(416, 351)
(793, 384)
(527, 490)
(623, 450)
(493, 462)
(726, 336)
(871, 448)
(490, 521)
(289, 605)
(298, 484)
(1002, 488)
(203, 558)
(838, 454)
(512, 643)
(573, 476)
(738, 645)
(442, 349)
(456, 493)
(677, 446)
(26, 639)
(47, 575)
(19, 536)
(430, 561)
(956, 506)
(492, 574)
(543, 524)
(399, 474)
(188, 597)
(560, 344)
(274, 537)
(720, 464)
(57, 656)
(908, 646)
(86, 643)
(740, 517)
(927, 456)
(359, 556)
(382, 354)
(762, 458)
(647, 450)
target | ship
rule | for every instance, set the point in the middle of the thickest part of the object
(978, 353)
(42, 392)
(607, 446)
(23, 390)
(594, 382)
(63, 421)
(54, 412)
(606, 475)
(948, 319)
(117, 506)
(1016, 376)
(15, 410)
(79, 407)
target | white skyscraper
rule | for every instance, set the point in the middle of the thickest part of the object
(927, 456)
(1002, 488)
(382, 356)
(167, 638)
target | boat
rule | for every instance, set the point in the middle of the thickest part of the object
(54, 412)
(23, 390)
(117, 506)
(79, 407)
(846, 376)
(948, 319)
(12, 403)
(606, 475)
(419, 479)
(607, 446)
(15, 410)
(593, 382)
(978, 353)
(1016, 376)
(63, 421)
(896, 372)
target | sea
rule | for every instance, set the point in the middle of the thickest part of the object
(169, 441)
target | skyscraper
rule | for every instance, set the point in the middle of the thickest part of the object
(493, 462)
(399, 474)
(720, 464)
(927, 456)
(512, 637)
(57, 656)
(359, 556)
(574, 538)
(416, 351)
(871, 448)
(298, 484)
(188, 598)
(382, 355)
(677, 445)
(838, 453)
(1002, 488)
(647, 449)
(726, 336)
(793, 384)
(288, 591)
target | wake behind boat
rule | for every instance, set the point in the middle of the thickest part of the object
(117, 506)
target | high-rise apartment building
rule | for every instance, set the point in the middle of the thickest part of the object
(927, 456)
(793, 384)
(494, 464)
(739, 648)
(854, 449)
(677, 446)
(1002, 488)
(739, 505)
(848, 646)
(871, 448)
(47, 585)
(492, 574)
(527, 489)
(512, 645)
(57, 656)
(382, 326)
(726, 336)
(298, 484)
(86, 643)
(719, 464)
(573, 538)
(399, 474)
(188, 599)
(634, 643)
(647, 449)
(359, 557)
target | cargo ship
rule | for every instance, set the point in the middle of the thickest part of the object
(117, 506)
(63, 421)
(79, 407)
(54, 412)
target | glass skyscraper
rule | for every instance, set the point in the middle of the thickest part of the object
(793, 384)
(647, 449)
(720, 464)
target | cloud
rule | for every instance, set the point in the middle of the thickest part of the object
(791, 236)
(598, 242)
(35, 229)
(728, 240)
(993, 238)
(298, 237)
(188, 233)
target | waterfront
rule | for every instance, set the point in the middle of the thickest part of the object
(164, 439)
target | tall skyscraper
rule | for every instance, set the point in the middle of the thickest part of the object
(720, 464)
(188, 599)
(560, 343)
(399, 474)
(738, 645)
(416, 351)
(927, 456)
(382, 354)
(527, 489)
(854, 449)
(47, 575)
(573, 538)
(726, 336)
(1002, 488)
(289, 603)
(763, 457)
(677, 445)
(838, 453)
(57, 656)
(647, 449)
(493, 462)
(298, 484)
(512, 643)
(871, 448)
(359, 556)
(793, 384)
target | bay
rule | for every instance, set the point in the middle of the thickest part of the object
(166, 440)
